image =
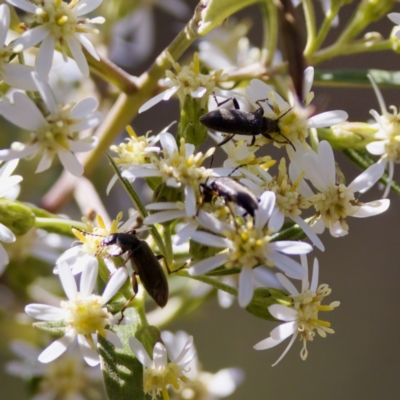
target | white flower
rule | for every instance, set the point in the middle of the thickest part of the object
(8, 183)
(83, 313)
(133, 36)
(180, 167)
(54, 133)
(187, 81)
(159, 373)
(289, 200)
(395, 17)
(294, 119)
(250, 246)
(201, 385)
(388, 144)
(16, 75)
(80, 256)
(302, 318)
(58, 23)
(66, 378)
(336, 201)
(227, 47)
(38, 244)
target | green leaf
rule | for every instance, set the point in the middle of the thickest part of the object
(122, 372)
(56, 328)
(356, 77)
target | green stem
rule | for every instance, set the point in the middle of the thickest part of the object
(345, 49)
(309, 16)
(323, 31)
(314, 139)
(139, 307)
(169, 254)
(58, 225)
(270, 29)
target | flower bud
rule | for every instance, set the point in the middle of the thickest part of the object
(16, 216)
(189, 126)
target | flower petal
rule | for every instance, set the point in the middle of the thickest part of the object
(373, 208)
(45, 312)
(114, 284)
(88, 278)
(89, 354)
(367, 178)
(208, 264)
(140, 353)
(56, 348)
(67, 280)
(246, 287)
(166, 95)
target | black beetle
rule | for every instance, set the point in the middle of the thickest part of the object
(231, 190)
(237, 122)
(144, 263)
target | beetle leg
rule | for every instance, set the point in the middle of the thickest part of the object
(135, 287)
(227, 139)
(234, 101)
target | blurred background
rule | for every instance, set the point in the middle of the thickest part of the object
(362, 358)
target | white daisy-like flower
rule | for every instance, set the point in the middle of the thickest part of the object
(249, 246)
(159, 373)
(38, 244)
(187, 81)
(227, 47)
(133, 36)
(294, 120)
(57, 132)
(84, 254)
(302, 317)
(388, 144)
(201, 385)
(8, 183)
(395, 17)
(335, 201)
(289, 200)
(58, 23)
(180, 167)
(136, 150)
(78, 380)
(16, 75)
(83, 313)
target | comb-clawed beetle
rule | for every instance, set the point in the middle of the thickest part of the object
(231, 190)
(237, 122)
(144, 263)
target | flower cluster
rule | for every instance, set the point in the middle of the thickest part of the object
(229, 200)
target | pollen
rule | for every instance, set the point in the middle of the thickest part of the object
(86, 315)
(155, 380)
(335, 205)
(308, 305)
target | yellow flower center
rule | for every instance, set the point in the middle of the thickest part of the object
(184, 169)
(156, 380)
(65, 377)
(308, 305)
(87, 315)
(249, 246)
(57, 132)
(133, 151)
(335, 205)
